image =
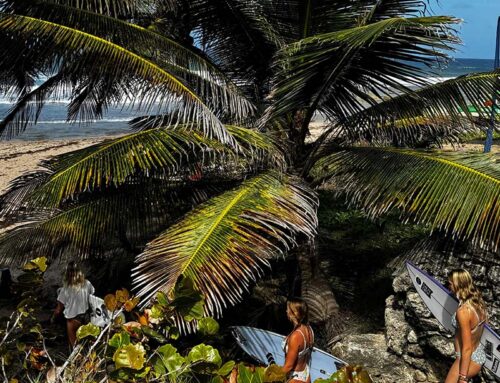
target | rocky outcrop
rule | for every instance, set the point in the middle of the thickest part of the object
(370, 351)
(411, 331)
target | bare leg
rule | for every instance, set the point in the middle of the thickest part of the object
(452, 377)
(72, 326)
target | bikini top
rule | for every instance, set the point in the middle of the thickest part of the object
(480, 322)
(306, 352)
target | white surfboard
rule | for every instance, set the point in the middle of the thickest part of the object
(100, 315)
(443, 304)
(266, 348)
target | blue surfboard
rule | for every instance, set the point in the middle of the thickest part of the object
(443, 304)
(266, 348)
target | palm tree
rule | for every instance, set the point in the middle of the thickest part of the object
(217, 178)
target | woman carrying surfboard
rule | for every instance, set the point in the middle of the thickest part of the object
(73, 300)
(299, 343)
(468, 322)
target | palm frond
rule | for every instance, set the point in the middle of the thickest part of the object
(202, 75)
(151, 86)
(113, 162)
(28, 107)
(135, 212)
(115, 8)
(417, 132)
(224, 244)
(458, 193)
(443, 103)
(361, 64)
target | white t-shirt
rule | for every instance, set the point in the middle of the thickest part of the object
(75, 299)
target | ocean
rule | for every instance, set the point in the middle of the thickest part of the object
(52, 121)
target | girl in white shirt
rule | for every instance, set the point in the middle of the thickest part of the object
(73, 300)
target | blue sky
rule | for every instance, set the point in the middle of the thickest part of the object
(478, 30)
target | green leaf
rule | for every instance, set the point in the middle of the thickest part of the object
(205, 357)
(246, 375)
(174, 333)
(226, 368)
(224, 244)
(168, 359)
(119, 339)
(161, 298)
(36, 264)
(88, 330)
(208, 326)
(152, 334)
(130, 356)
(456, 192)
(187, 301)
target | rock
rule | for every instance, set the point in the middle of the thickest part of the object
(370, 351)
(402, 283)
(420, 376)
(412, 336)
(415, 303)
(442, 345)
(397, 328)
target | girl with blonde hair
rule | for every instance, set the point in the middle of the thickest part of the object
(73, 300)
(468, 322)
(298, 344)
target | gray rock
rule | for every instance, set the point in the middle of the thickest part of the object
(412, 336)
(396, 327)
(441, 345)
(370, 351)
(402, 283)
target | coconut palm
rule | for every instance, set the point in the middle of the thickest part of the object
(217, 176)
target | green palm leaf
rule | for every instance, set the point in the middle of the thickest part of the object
(134, 214)
(205, 78)
(151, 86)
(223, 244)
(447, 102)
(339, 72)
(455, 192)
(115, 8)
(113, 162)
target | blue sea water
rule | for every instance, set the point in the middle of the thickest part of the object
(52, 121)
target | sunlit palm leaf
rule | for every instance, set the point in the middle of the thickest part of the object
(447, 102)
(223, 244)
(415, 132)
(136, 212)
(113, 162)
(360, 64)
(206, 80)
(151, 86)
(458, 193)
(114, 8)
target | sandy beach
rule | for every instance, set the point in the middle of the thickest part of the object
(18, 157)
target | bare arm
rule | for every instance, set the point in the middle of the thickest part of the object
(293, 352)
(58, 310)
(463, 317)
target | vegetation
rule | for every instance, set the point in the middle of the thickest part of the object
(219, 176)
(145, 349)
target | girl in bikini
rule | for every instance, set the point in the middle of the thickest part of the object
(468, 322)
(298, 344)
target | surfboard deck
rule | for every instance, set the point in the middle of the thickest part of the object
(443, 304)
(266, 348)
(99, 315)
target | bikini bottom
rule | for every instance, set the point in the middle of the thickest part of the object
(303, 375)
(478, 356)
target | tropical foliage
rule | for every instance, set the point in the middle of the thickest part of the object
(216, 178)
